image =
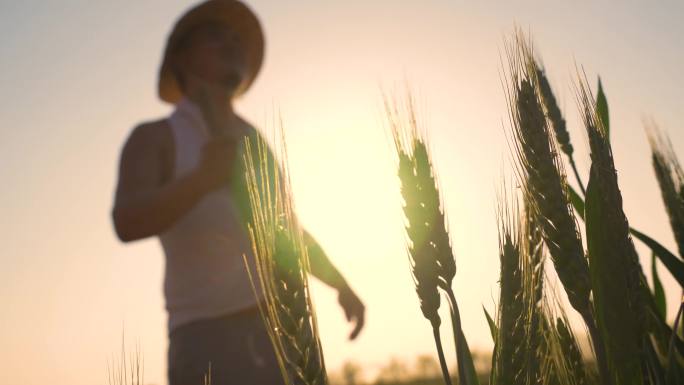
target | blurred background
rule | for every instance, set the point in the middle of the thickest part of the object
(76, 76)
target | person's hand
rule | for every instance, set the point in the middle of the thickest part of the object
(353, 308)
(216, 161)
(207, 97)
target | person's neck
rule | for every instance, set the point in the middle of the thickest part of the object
(217, 104)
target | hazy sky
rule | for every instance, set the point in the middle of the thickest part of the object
(76, 76)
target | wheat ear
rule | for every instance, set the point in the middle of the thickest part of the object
(424, 267)
(617, 278)
(541, 169)
(282, 267)
(558, 124)
(670, 180)
(510, 357)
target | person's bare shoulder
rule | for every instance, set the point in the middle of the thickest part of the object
(156, 133)
(150, 144)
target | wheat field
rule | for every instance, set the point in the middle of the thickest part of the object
(549, 220)
(631, 342)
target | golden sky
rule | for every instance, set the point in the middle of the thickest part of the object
(76, 76)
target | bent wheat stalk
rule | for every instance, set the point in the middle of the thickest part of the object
(423, 264)
(429, 249)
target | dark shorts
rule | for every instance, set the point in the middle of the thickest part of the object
(237, 345)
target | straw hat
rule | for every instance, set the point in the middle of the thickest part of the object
(231, 12)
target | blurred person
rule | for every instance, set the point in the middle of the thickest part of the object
(178, 181)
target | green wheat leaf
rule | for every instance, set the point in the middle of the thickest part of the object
(658, 291)
(466, 358)
(492, 325)
(673, 264)
(576, 201)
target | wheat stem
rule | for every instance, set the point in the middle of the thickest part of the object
(440, 354)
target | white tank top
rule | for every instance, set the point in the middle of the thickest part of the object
(205, 275)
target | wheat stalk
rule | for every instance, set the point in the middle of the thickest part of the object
(670, 180)
(126, 371)
(544, 181)
(531, 348)
(429, 248)
(557, 121)
(559, 353)
(571, 351)
(561, 359)
(510, 357)
(532, 265)
(424, 265)
(617, 278)
(524, 346)
(545, 184)
(438, 240)
(282, 267)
